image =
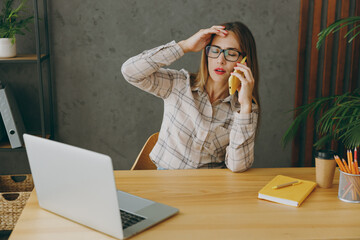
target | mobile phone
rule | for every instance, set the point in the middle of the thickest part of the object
(234, 82)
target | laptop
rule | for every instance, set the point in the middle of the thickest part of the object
(79, 184)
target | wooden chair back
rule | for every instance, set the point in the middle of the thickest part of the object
(143, 161)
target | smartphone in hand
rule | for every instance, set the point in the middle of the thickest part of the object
(234, 82)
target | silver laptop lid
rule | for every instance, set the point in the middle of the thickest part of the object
(83, 190)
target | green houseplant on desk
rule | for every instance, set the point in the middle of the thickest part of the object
(340, 118)
(10, 25)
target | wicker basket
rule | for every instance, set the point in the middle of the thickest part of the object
(14, 192)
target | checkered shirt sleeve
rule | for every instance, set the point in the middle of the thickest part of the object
(145, 70)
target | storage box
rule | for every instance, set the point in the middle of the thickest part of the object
(14, 192)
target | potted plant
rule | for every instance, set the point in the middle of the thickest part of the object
(10, 25)
(340, 119)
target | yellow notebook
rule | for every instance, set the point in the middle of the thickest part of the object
(292, 195)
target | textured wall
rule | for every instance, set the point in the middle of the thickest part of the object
(95, 107)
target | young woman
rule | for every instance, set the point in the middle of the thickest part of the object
(203, 126)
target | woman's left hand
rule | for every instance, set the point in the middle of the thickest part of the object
(245, 90)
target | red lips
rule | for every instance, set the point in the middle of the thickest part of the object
(219, 71)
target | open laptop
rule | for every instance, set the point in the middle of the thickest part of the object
(79, 185)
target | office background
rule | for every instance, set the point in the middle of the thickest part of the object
(95, 108)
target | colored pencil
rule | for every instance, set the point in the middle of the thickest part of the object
(345, 166)
(349, 161)
(356, 166)
(356, 162)
(339, 163)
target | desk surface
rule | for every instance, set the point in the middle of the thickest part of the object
(214, 204)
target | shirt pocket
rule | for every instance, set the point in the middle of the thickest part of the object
(219, 141)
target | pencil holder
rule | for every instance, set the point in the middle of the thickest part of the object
(349, 187)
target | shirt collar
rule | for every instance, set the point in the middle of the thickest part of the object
(231, 98)
(228, 99)
(200, 91)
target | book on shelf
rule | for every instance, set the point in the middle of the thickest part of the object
(287, 190)
(11, 117)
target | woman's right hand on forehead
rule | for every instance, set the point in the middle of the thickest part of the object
(201, 39)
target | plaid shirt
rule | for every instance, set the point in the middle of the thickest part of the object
(194, 133)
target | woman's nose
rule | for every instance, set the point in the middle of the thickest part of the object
(221, 59)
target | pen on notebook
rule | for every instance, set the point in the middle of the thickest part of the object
(286, 184)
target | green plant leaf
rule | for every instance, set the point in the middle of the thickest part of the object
(10, 22)
(352, 137)
(323, 141)
(340, 119)
(336, 26)
(351, 30)
(352, 38)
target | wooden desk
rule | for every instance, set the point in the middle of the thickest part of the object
(214, 204)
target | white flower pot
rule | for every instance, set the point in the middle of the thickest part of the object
(7, 49)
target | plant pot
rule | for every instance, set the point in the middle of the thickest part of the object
(7, 49)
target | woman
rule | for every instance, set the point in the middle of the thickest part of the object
(203, 126)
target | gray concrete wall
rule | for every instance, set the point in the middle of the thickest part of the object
(96, 109)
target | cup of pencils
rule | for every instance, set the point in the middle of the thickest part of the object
(349, 182)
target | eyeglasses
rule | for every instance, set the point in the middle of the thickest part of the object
(230, 55)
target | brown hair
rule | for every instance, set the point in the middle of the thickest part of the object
(248, 46)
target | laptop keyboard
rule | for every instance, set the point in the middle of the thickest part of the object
(129, 219)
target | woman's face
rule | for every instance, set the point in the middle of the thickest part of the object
(219, 68)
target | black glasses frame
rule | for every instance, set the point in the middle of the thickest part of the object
(225, 51)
